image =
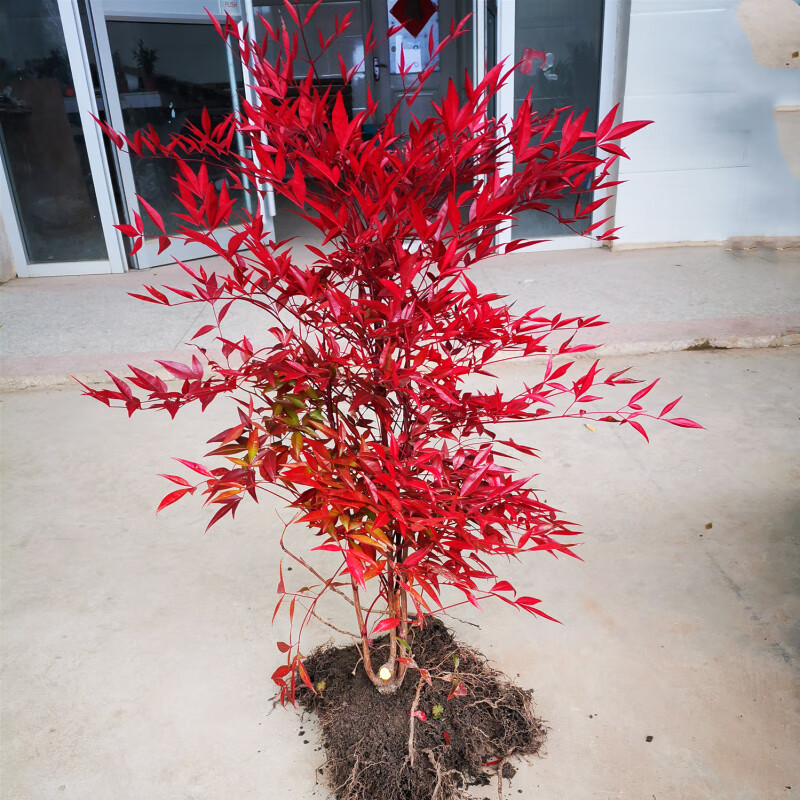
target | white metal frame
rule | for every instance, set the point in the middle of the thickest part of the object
(506, 28)
(101, 176)
(478, 41)
(266, 194)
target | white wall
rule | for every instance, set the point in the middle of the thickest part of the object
(7, 271)
(711, 167)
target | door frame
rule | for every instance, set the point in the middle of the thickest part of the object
(148, 256)
(506, 29)
(101, 175)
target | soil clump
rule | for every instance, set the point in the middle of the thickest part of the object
(460, 742)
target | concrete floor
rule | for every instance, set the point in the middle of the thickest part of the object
(656, 300)
(137, 650)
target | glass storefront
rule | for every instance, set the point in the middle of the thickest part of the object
(42, 140)
(557, 45)
(160, 62)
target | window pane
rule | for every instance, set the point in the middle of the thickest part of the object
(558, 43)
(166, 73)
(41, 137)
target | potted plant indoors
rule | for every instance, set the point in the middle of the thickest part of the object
(146, 58)
(351, 402)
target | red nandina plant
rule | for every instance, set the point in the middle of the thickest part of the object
(355, 408)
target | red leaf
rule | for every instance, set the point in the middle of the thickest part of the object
(354, 568)
(153, 214)
(684, 423)
(638, 427)
(304, 675)
(416, 557)
(298, 185)
(292, 12)
(615, 149)
(458, 689)
(339, 121)
(385, 625)
(171, 498)
(278, 605)
(642, 392)
(228, 508)
(310, 12)
(176, 479)
(176, 369)
(283, 647)
(137, 221)
(199, 468)
(605, 125)
(669, 406)
(281, 672)
(626, 129)
(203, 331)
(145, 298)
(420, 715)
(446, 737)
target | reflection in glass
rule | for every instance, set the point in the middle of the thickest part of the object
(350, 46)
(386, 87)
(166, 73)
(42, 140)
(558, 49)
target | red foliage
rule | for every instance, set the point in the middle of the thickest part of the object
(356, 411)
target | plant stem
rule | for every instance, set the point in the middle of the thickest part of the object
(365, 652)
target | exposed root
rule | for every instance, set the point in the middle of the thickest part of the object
(500, 778)
(414, 706)
(374, 748)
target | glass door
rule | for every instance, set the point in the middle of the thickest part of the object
(55, 189)
(349, 46)
(418, 19)
(563, 50)
(163, 63)
(380, 70)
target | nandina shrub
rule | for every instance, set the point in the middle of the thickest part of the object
(355, 409)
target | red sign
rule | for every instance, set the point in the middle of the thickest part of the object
(413, 15)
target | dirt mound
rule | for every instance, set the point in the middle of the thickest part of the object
(460, 741)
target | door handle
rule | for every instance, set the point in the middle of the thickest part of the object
(376, 68)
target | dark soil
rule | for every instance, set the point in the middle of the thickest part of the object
(366, 734)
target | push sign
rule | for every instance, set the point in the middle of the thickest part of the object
(232, 7)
